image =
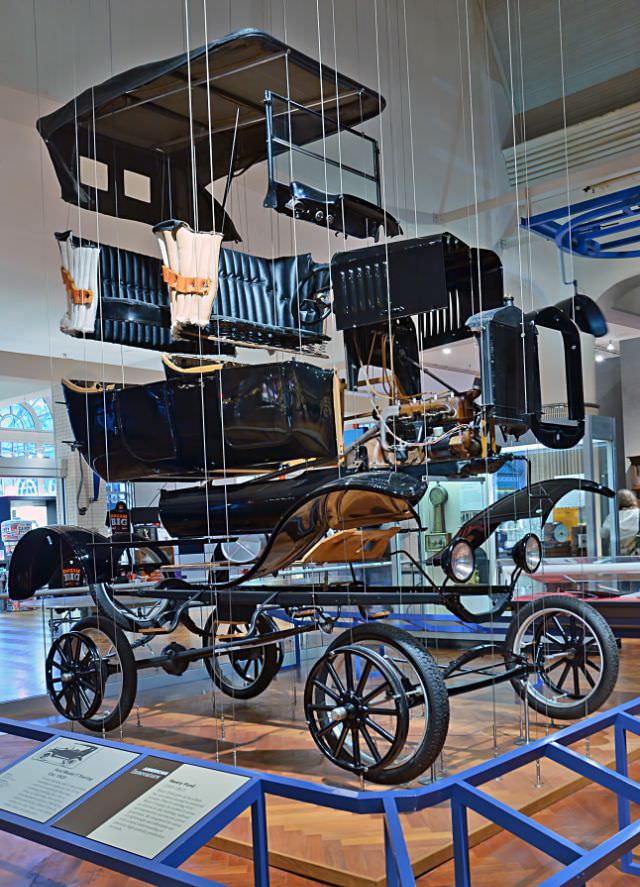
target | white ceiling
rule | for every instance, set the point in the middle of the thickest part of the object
(599, 41)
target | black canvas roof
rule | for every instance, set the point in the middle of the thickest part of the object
(143, 120)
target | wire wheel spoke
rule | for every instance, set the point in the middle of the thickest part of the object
(241, 666)
(576, 680)
(340, 743)
(557, 664)
(366, 671)
(355, 739)
(564, 675)
(373, 693)
(382, 711)
(84, 697)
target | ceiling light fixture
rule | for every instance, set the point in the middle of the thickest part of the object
(446, 350)
(599, 358)
(611, 346)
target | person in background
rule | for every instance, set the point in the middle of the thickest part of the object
(629, 521)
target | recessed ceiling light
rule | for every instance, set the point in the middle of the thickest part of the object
(599, 358)
(446, 350)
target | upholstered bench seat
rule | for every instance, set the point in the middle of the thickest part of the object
(259, 301)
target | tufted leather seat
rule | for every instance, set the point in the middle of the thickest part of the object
(258, 301)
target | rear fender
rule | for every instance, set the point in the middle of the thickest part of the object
(42, 554)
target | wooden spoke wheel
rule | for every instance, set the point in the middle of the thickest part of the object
(573, 655)
(118, 676)
(245, 673)
(426, 694)
(74, 676)
(356, 709)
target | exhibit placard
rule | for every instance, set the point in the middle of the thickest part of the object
(151, 805)
(56, 775)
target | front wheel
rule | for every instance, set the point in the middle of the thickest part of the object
(572, 653)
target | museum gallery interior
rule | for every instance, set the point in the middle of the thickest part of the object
(320, 443)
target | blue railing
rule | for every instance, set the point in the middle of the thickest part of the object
(463, 792)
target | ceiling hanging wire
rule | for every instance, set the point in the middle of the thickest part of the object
(47, 291)
(487, 432)
(403, 33)
(565, 145)
(214, 615)
(512, 99)
(383, 191)
(523, 136)
(293, 228)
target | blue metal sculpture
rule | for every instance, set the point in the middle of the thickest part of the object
(592, 227)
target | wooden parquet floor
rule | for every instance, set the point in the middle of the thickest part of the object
(323, 846)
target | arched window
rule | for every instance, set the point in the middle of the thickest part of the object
(18, 417)
(33, 417)
(42, 410)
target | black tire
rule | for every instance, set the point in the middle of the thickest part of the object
(267, 659)
(594, 664)
(433, 691)
(107, 720)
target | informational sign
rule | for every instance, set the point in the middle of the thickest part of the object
(148, 807)
(56, 775)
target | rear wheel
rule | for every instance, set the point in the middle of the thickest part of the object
(356, 709)
(425, 693)
(73, 672)
(118, 674)
(244, 673)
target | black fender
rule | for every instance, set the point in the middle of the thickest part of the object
(367, 499)
(585, 313)
(42, 555)
(535, 501)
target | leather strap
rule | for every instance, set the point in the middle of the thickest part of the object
(197, 286)
(77, 296)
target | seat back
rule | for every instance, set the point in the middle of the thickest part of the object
(267, 291)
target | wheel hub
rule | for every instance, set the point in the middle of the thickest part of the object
(351, 709)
